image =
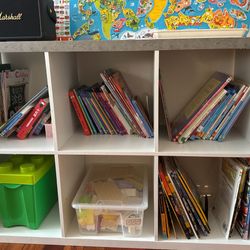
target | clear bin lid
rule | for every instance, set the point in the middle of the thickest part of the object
(116, 187)
(29, 169)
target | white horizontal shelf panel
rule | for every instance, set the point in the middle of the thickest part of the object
(114, 240)
(48, 232)
(128, 45)
(107, 145)
(33, 145)
(235, 145)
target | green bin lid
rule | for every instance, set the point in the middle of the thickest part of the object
(20, 169)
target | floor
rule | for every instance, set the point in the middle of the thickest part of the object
(47, 247)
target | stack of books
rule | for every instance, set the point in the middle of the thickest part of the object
(213, 110)
(30, 118)
(110, 108)
(178, 202)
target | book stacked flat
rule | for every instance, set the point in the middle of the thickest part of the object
(30, 118)
(213, 110)
(110, 108)
(179, 202)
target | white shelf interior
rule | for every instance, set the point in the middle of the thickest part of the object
(70, 70)
(180, 88)
(68, 191)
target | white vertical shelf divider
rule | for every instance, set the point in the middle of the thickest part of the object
(62, 73)
(156, 160)
(156, 99)
(51, 98)
(70, 171)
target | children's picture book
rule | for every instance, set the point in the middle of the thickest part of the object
(14, 89)
(226, 199)
(3, 67)
(144, 19)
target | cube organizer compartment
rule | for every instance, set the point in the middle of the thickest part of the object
(27, 190)
(112, 199)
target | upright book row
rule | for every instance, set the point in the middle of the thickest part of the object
(109, 107)
(180, 203)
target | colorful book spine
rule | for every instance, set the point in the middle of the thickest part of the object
(20, 114)
(75, 103)
(117, 110)
(103, 114)
(234, 116)
(122, 103)
(111, 114)
(210, 105)
(145, 124)
(29, 122)
(199, 102)
(85, 112)
(225, 118)
(91, 111)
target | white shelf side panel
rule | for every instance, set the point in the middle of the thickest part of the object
(70, 172)
(156, 198)
(49, 231)
(35, 63)
(62, 76)
(156, 99)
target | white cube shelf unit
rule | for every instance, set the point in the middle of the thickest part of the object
(185, 64)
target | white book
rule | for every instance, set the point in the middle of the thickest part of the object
(14, 91)
(229, 182)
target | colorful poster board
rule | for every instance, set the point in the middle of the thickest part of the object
(126, 19)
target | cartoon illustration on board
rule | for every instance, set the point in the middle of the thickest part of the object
(140, 19)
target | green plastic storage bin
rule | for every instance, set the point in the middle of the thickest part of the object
(27, 190)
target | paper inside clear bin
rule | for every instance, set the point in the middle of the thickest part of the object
(129, 211)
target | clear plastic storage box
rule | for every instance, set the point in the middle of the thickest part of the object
(112, 199)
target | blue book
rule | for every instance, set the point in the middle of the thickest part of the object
(201, 129)
(240, 90)
(233, 117)
(216, 113)
(142, 118)
(221, 118)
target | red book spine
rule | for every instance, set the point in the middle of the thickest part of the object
(31, 119)
(86, 130)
